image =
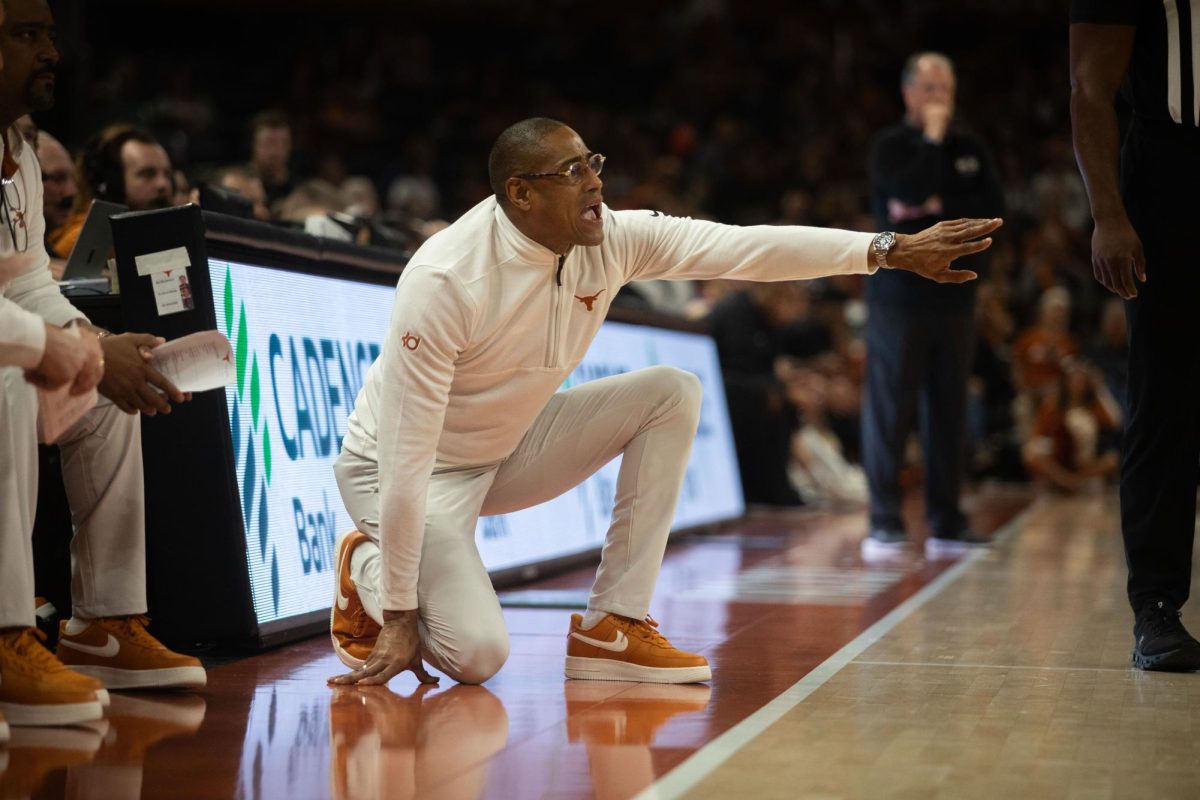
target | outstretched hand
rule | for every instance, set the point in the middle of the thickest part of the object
(930, 252)
(397, 649)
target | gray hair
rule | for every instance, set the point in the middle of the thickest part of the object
(909, 73)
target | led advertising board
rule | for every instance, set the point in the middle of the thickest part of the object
(303, 344)
(577, 520)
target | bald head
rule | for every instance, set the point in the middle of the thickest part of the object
(923, 61)
(517, 150)
(928, 87)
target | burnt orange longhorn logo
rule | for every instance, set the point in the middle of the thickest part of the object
(588, 301)
(409, 341)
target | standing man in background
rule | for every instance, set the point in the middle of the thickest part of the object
(919, 333)
(1144, 250)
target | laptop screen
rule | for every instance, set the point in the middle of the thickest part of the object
(94, 245)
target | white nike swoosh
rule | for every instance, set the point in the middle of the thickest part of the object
(110, 649)
(343, 602)
(617, 645)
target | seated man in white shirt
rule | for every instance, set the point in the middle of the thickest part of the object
(106, 638)
(460, 417)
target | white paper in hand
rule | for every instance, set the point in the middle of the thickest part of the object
(196, 362)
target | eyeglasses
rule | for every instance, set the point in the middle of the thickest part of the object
(12, 208)
(574, 171)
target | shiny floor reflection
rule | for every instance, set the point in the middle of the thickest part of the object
(102, 760)
(766, 601)
(429, 743)
(618, 731)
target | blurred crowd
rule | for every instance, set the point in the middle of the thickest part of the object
(372, 124)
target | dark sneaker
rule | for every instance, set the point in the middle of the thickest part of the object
(884, 543)
(955, 546)
(1161, 642)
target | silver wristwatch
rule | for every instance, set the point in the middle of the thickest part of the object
(882, 244)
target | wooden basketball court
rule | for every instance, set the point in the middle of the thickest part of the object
(1001, 674)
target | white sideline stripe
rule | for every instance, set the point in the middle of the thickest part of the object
(967, 665)
(704, 761)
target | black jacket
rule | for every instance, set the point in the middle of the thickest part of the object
(906, 168)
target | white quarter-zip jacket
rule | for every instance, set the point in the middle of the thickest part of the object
(487, 324)
(29, 297)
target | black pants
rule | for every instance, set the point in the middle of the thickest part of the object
(1161, 463)
(918, 360)
(763, 423)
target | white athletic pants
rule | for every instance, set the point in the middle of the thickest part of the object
(102, 474)
(649, 415)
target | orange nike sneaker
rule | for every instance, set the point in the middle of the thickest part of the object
(623, 649)
(122, 654)
(35, 687)
(350, 627)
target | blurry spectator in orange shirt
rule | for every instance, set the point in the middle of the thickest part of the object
(1072, 444)
(1040, 348)
(59, 183)
(59, 188)
(1038, 355)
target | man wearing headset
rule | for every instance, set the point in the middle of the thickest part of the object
(121, 164)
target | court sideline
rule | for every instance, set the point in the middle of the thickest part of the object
(1001, 674)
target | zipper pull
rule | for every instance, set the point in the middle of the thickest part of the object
(558, 277)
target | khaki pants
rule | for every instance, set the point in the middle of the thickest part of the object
(649, 416)
(102, 474)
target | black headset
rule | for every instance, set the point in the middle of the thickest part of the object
(101, 162)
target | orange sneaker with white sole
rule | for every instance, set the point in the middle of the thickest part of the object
(121, 653)
(622, 649)
(350, 627)
(37, 689)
